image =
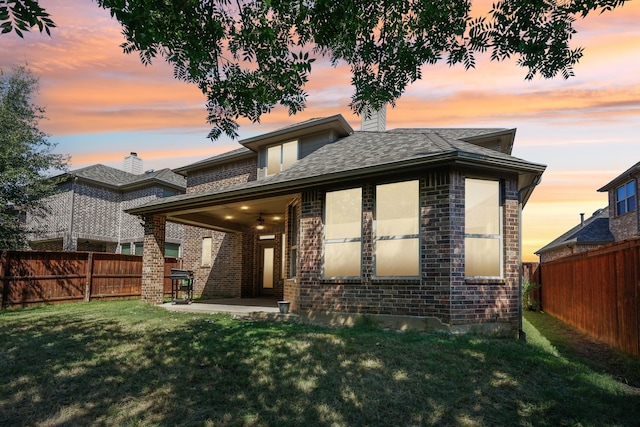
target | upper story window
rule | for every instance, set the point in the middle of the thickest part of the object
(281, 156)
(626, 198)
(482, 228)
(397, 236)
(168, 192)
(343, 233)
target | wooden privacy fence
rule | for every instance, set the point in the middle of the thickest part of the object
(43, 277)
(598, 292)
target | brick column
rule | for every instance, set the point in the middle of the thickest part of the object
(153, 259)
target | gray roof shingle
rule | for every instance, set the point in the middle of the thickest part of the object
(117, 178)
(594, 230)
(362, 152)
(220, 158)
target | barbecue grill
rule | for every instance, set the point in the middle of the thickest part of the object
(181, 286)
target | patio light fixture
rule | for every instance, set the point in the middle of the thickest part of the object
(260, 223)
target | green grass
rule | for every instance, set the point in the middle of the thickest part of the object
(130, 364)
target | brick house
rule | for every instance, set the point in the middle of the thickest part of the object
(619, 220)
(87, 212)
(409, 222)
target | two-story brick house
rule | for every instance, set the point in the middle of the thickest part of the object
(624, 205)
(87, 211)
(409, 222)
(619, 220)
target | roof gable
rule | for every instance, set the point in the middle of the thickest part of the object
(119, 179)
(363, 154)
(336, 124)
(229, 156)
(625, 176)
(594, 230)
(498, 139)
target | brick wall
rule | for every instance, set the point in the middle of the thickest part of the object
(96, 212)
(476, 301)
(131, 229)
(442, 228)
(56, 224)
(153, 260)
(98, 216)
(567, 250)
(442, 290)
(220, 176)
(231, 272)
(624, 226)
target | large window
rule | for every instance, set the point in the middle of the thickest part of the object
(280, 157)
(397, 235)
(483, 224)
(343, 233)
(626, 198)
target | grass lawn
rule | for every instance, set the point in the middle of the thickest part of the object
(130, 364)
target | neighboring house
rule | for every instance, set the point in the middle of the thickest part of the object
(589, 234)
(87, 212)
(618, 221)
(408, 222)
(624, 207)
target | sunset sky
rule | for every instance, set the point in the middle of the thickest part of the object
(102, 104)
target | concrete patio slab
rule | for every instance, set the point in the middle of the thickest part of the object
(233, 306)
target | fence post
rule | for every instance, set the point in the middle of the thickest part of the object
(87, 289)
(4, 281)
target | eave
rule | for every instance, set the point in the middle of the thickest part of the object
(527, 172)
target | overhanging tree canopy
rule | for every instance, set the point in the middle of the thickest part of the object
(247, 56)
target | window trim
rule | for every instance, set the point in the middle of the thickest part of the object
(630, 200)
(334, 241)
(209, 254)
(499, 236)
(376, 238)
(293, 234)
(281, 161)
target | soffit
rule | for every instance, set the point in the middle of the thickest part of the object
(236, 216)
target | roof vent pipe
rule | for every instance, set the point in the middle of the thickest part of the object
(581, 220)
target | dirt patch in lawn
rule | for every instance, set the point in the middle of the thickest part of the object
(573, 343)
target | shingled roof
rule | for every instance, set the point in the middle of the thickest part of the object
(218, 159)
(594, 230)
(622, 178)
(366, 154)
(116, 178)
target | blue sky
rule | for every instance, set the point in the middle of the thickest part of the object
(102, 104)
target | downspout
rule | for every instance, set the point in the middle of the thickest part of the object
(521, 334)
